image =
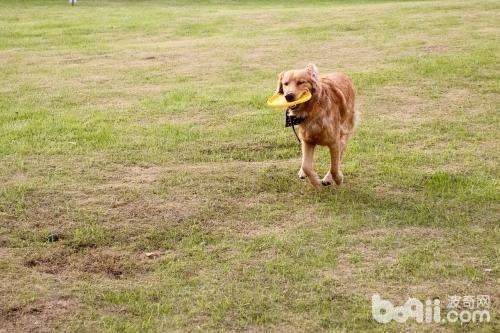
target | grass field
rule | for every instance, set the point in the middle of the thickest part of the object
(129, 127)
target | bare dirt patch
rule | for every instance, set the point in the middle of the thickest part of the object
(39, 316)
(104, 262)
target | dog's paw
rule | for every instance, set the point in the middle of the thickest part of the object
(302, 174)
(339, 178)
(327, 180)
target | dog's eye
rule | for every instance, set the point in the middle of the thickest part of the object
(286, 83)
(300, 82)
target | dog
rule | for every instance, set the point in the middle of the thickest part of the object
(327, 119)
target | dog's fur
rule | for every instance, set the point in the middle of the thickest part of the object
(329, 117)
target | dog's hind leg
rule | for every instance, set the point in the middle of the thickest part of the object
(307, 164)
(335, 174)
(343, 143)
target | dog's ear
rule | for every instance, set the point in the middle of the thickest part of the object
(279, 86)
(313, 71)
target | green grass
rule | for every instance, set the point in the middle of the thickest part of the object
(130, 127)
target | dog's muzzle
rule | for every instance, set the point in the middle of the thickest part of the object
(290, 97)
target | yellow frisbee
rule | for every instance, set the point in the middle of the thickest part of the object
(279, 100)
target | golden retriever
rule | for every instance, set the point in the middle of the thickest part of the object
(328, 118)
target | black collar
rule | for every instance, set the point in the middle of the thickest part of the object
(292, 120)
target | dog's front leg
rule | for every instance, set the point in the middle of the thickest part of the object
(335, 174)
(307, 163)
(302, 174)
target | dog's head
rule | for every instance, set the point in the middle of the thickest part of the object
(294, 83)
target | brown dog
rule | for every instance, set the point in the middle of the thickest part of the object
(329, 117)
